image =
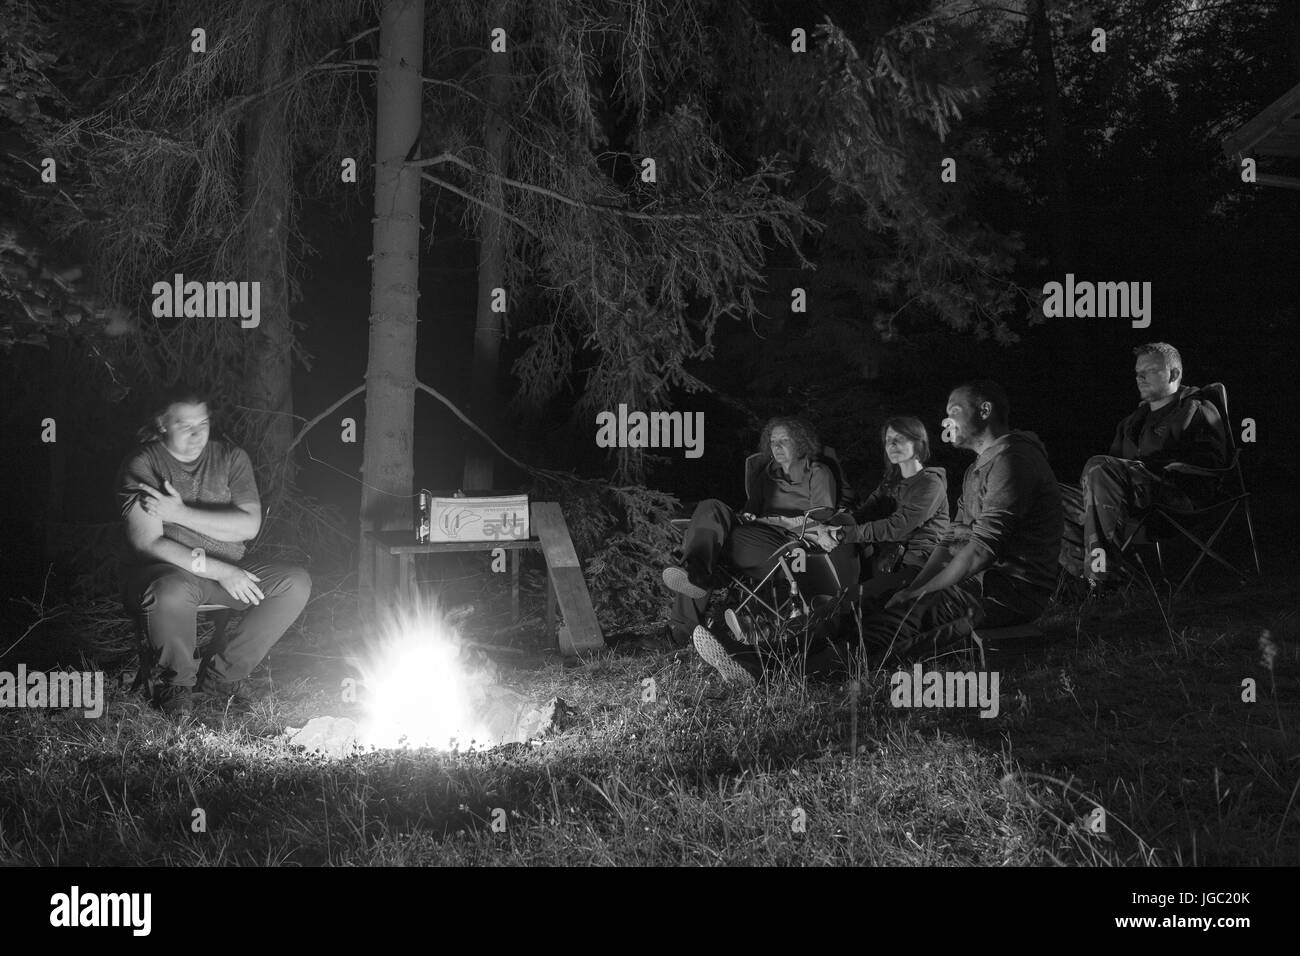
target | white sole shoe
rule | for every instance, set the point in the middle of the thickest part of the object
(711, 649)
(733, 625)
(678, 580)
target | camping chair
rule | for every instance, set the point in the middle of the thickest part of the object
(783, 601)
(1200, 525)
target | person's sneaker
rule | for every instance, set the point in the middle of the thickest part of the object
(733, 625)
(233, 691)
(714, 650)
(175, 701)
(683, 582)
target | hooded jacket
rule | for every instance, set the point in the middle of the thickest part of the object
(912, 511)
(1189, 429)
(1011, 506)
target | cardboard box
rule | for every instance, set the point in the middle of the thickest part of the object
(479, 519)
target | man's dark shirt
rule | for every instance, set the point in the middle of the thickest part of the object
(1188, 429)
(221, 476)
(1011, 508)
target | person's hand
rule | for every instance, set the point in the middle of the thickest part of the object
(904, 596)
(241, 585)
(746, 516)
(165, 504)
(826, 537)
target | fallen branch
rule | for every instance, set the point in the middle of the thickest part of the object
(41, 614)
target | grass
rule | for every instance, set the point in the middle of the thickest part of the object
(1130, 707)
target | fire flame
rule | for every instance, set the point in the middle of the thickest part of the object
(417, 690)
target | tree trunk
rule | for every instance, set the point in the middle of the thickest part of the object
(1056, 152)
(267, 189)
(489, 326)
(386, 465)
(56, 402)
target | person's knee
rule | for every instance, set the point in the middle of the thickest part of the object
(171, 588)
(297, 582)
(710, 507)
(1101, 470)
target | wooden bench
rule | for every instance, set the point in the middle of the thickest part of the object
(565, 584)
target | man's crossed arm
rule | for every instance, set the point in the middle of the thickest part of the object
(220, 523)
(144, 533)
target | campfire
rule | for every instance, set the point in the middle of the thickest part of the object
(417, 689)
(424, 686)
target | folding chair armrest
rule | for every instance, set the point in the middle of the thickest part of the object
(829, 516)
(1182, 468)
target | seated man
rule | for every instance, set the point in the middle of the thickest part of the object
(189, 505)
(1171, 424)
(786, 482)
(996, 563)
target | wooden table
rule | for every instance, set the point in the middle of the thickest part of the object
(565, 584)
(403, 546)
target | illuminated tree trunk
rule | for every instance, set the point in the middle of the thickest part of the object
(386, 467)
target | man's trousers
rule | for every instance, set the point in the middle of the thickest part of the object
(1098, 509)
(167, 598)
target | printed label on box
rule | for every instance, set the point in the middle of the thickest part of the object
(479, 519)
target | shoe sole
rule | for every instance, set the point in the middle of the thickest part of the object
(678, 580)
(711, 649)
(733, 625)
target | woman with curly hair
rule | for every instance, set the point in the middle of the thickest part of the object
(783, 482)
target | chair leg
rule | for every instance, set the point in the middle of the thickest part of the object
(1250, 528)
(1206, 549)
(146, 658)
(220, 622)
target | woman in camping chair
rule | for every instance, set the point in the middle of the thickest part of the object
(783, 482)
(899, 524)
